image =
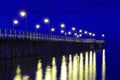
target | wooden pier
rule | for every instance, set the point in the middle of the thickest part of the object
(34, 44)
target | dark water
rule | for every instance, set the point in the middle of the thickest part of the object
(88, 65)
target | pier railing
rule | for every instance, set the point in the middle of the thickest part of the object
(15, 34)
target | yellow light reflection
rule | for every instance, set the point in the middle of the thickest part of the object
(103, 65)
(54, 69)
(18, 75)
(70, 68)
(48, 73)
(81, 67)
(39, 71)
(63, 74)
(86, 66)
(25, 77)
(90, 66)
(94, 66)
(75, 67)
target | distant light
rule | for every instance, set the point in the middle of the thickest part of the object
(37, 26)
(15, 22)
(69, 33)
(103, 35)
(23, 14)
(80, 30)
(90, 33)
(93, 34)
(73, 28)
(75, 34)
(62, 31)
(65, 33)
(62, 25)
(80, 35)
(52, 29)
(85, 32)
(46, 20)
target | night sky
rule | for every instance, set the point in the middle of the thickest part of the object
(98, 16)
(101, 16)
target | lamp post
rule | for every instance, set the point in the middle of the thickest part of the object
(69, 33)
(62, 25)
(15, 22)
(80, 35)
(93, 35)
(47, 21)
(75, 35)
(85, 32)
(52, 30)
(90, 34)
(80, 30)
(103, 35)
(62, 29)
(37, 26)
(23, 14)
(73, 29)
(62, 32)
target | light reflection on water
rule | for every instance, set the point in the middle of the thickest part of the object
(94, 66)
(103, 65)
(39, 71)
(79, 67)
(18, 75)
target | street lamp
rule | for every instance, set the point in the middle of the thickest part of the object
(69, 33)
(93, 34)
(73, 28)
(23, 14)
(80, 30)
(75, 34)
(52, 29)
(63, 28)
(80, 35)
(90, 33)
(62, 31)
(15, 22)
(46, 20)
(37, 26)
(103, 35)
(62, 25)
(85, 32)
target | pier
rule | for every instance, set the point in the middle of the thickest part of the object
(20, 44)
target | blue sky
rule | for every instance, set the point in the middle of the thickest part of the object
(101, 16)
